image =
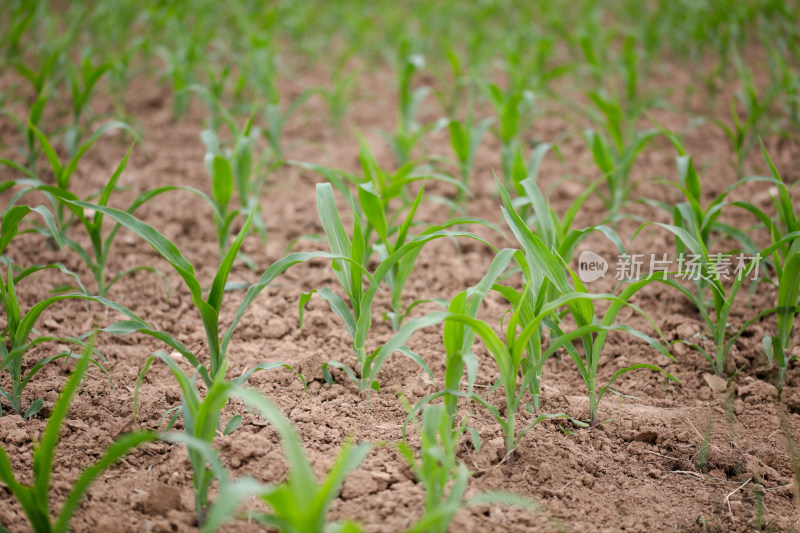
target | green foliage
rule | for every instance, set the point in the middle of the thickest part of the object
(785, 258)
(693, 226)
(201, 420)
(615, 162)
(16, 341)
(301, 503)
(350, 271)
(746, 125)
(443, 476)
(590, 329)
(512, 108)
(82, 81)
(298, 504)
(35, 499)
(458, 338)
(209, 306)
(409, 131)
(465, 137)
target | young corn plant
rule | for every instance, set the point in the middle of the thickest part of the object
(693, 226)
(248, 173)
(338, 95)
(388, 218)
(458, 338)
(20, 20)
(301, 503)
(276, 113)
(777, 347)
(615, 162)
(409, 131)
(19, 336)
(352, 277)
(15, 339)
(465, 137)
(82, 81)
(512, 108)
(42, 80)
(30, 150)
(201, 422)
(558, 233)
(96, 256)
(443, 475)
(785, 80)
(451, 79)
(208, 306)
(298, 504)
(392, 237)
(785, 259)
(744, 131)
(35, 499)
(558, 236)
(62, 173)
(591, 329)
(713, 269)
(180, 65)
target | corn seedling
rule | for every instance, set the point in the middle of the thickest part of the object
(275, 115)
(15, 339)
(300, 504)
(785, 80)
(615, 162)
(82, 81)
(96, 256)
(352, 276)
(443, 476)
(179, 67)
(786, 261)
(42, 81)
(21, 18)
(30, 150)
(201, 422)
(387, 225)
(35, 499)
(338, 95)
(743, 132)
(391, 237)
(451, 81)
(409, 131)
(590, 329)
(561, 239)
(209, 306)
(511, 108)
(458, 338)
(230, 493)
(557, 233)
(692, 230)
(465, 137)
(248, 173)
(62, 173)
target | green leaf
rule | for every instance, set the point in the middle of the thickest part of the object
(374, 210)
(34, 408)
(222, 181)
(233, 424)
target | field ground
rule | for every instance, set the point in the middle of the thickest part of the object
(638, 472)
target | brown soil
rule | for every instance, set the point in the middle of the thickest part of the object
(639, 472)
